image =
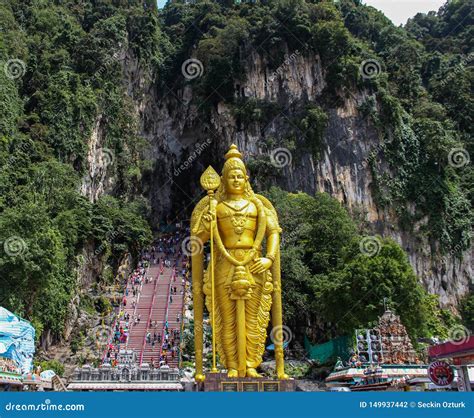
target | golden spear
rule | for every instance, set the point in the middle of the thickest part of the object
(210, 181)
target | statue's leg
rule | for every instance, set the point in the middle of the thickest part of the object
(241, 337)
(228, 340)
(257, 314)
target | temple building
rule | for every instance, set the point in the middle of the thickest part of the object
(384, 359)
(396, 344)
(10, 376)
(128, 375)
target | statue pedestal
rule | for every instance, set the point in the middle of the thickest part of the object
(219, 382)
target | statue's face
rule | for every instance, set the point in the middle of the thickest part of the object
(235, 181)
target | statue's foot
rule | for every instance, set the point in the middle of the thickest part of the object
(251, 372)
(199, 377)
(283, 376)
(232, 373)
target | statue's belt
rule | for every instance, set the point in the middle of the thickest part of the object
(240, 253)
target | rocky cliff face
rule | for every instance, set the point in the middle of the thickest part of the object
(183, 141)
(95, 182)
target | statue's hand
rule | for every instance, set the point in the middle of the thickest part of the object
(211, 213)
(207, 217)
(260, 265)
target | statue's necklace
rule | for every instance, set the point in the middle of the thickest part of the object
(262, 225)
(238, 219)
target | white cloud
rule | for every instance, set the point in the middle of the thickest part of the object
(398, 11)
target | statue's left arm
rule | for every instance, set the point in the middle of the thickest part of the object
(273, 253)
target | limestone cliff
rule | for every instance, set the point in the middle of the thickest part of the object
(184, 140)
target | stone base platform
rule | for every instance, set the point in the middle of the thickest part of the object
(219, 382)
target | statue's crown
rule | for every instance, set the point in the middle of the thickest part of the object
(233, 153)
(233, 160)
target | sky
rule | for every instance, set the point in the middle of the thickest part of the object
(398, 11)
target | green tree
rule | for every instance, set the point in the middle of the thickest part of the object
(330, 286)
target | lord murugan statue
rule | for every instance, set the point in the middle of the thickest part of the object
(240, 285)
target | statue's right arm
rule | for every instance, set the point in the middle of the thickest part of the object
(200, 225)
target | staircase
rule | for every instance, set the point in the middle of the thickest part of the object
(157, 316)
(170, 314)
(154, 307)
(145, 301)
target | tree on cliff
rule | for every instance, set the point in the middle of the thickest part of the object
(335, 280)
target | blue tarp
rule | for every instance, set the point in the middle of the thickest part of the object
(17, 340)
(271, 347)
(47, 375)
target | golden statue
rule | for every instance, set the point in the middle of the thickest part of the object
(240, 285)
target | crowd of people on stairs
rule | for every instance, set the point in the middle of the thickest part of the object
(166, 251)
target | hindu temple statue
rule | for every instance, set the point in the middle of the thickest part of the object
(240, 283)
